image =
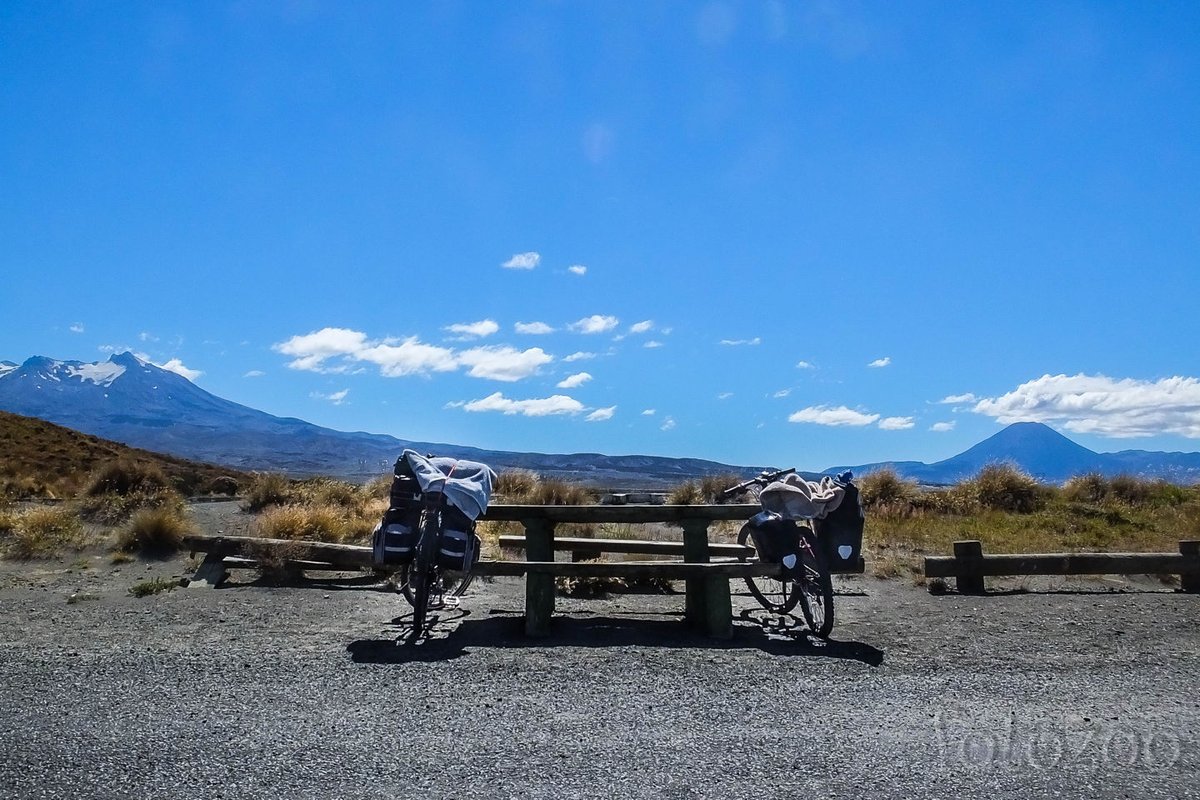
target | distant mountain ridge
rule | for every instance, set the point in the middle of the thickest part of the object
(129, 400)
(133, 401)
(1048, 456)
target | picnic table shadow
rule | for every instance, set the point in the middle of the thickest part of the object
(458, 634)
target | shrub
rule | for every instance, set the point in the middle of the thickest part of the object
(124, 477)
(379, 489)
(556, 492)
(516, 485)
(1003, 487)
(153, 586)
(121, 487)
(685, 494)
(41, 533)
(886, 487)
(223, 484)
(328, 492)
(711, 487)
(154, 532)
(1090, 488)
(267, 489)
(312, 523)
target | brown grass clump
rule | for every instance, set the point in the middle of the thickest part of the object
(884, 487)
(267, 489)
(312, 523)
(40, 532)
(154, 532)
(1003, 487)
(685, 494)
(515, 485)
(121, 487)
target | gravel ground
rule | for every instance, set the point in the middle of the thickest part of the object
(255, 691)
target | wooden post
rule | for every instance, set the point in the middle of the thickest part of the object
(539, 587)
(709, 606)
(210, 573)
(969, 555)
(1189, 581)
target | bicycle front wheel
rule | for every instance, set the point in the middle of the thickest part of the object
(815, 586)
(778, 595)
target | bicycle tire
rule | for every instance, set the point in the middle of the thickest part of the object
(815, 586)
(777, 595)
(424, 570)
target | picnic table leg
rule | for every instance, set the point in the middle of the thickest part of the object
(539, 587)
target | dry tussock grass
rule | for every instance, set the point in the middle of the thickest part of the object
(40, 532)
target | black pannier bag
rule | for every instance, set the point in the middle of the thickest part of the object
(840, 533)
(773, 536)
(406, 491)
(395, 538)
(460, 545)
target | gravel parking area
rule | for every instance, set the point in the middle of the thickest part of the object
(257, 691)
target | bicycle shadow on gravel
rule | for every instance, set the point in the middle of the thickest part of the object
(507, 631)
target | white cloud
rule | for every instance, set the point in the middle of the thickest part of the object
(523, 260)
(577, 269)
(642, 327)
(176, 366)
(737, 342)
(668, 424)
(959, 398)
(337, 398)
(724, 395)
(503, 363)
(601, 414)
(538, 407)
(649, 412)
(77, 328)
(313, 351)
(579, 357)
(896, 423)
(804, 365)
(839, 415)
(782, 393)
(254, 373)
(572, 381)
(474, 330)
(942, 427)
(652, 344)
(1097, 404)
(533, 328)
(597, 323)
(146, 336)
(881, 362)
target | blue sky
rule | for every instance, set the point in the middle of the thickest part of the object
(791, 233)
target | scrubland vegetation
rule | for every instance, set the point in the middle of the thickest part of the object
(1009, 512)
(135, 509)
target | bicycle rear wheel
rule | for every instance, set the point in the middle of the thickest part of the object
(814, 586)
(423, 574)
(778, 595)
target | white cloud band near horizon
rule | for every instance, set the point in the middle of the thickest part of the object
(1097, 404)
(336, 350)
(834, 416)
(534, 407)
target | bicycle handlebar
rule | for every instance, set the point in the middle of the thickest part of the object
(762, 479)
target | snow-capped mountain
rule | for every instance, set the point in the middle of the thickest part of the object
(135, 402)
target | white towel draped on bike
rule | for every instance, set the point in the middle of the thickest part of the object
(466, 484)
(795, 498)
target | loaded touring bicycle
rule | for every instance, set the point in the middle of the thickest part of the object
(428, 533)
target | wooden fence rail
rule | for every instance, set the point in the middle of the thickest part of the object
(969, 566)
